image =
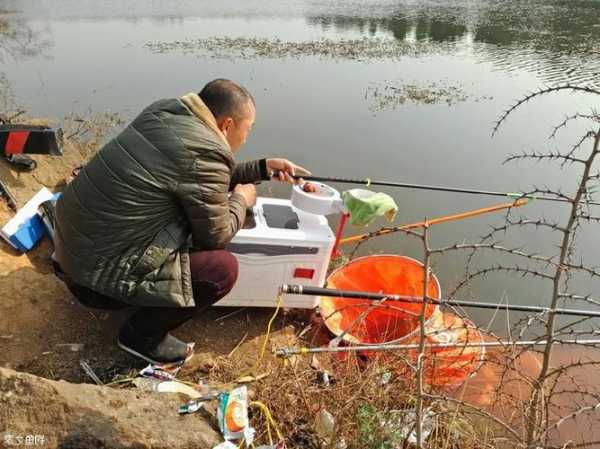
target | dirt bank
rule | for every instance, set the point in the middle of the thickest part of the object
(64, 415)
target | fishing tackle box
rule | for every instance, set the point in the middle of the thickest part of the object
(279, 244)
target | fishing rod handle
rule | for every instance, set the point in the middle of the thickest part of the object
(319, 291)
(275, 173)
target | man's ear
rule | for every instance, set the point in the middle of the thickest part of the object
(225, 124)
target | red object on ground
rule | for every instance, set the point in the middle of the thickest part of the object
(366, 322)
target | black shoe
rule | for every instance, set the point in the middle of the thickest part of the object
(155, 350)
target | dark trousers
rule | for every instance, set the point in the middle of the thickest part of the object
(213, 276)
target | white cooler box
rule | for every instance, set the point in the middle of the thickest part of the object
(279, 244)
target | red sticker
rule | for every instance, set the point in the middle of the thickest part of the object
(16, 142)
(306, 273)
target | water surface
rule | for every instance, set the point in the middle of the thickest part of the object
(319, 110)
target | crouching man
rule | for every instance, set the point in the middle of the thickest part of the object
(146, 221)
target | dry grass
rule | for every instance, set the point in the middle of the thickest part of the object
(371, 400)
(88, 131)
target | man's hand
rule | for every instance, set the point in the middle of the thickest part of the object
(287, 170)
(248, 191)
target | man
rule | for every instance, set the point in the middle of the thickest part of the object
(146, 221)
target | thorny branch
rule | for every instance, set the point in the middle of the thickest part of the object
(538, 93)
(550, 156)
(537, 425)
(422, 338)
(569, 118)
(542, 412)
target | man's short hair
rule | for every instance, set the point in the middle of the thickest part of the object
(226, 98)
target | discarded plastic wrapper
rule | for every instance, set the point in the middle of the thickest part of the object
(154, 372)
(324, 377)
(401, 424)
(225, 445)
(232, 415)
(166, 386)
(167, 371)
(196, 404)
(325, 424)
(190, 407)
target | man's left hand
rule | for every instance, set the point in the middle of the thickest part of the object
(286, 169)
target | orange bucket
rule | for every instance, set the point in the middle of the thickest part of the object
(362, 320)
(365, 322)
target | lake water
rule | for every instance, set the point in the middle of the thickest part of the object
(341, 112)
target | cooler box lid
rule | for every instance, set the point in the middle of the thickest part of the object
(277, 222)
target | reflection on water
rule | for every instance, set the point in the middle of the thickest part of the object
(573, 390)
(559, 39)
(18, 39)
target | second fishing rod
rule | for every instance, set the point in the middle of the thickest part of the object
(370, 182)
(319, 291)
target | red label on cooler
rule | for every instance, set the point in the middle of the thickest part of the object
(305, 273)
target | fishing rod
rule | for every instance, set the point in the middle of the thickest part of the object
(370, 182)
(319, 291)
(7, 194)
(287, 352)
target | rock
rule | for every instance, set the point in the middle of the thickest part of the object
(87, 416)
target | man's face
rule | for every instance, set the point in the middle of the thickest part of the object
(236, 130)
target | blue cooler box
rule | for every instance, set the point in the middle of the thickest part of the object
(27, 228)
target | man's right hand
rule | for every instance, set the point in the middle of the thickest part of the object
(248, 191)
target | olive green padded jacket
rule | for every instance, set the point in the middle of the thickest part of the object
(125, 225)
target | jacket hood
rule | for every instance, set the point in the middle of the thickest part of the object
(197, 107)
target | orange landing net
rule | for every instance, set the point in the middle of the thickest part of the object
(367, 322)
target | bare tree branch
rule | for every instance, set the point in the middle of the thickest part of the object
(539, 93)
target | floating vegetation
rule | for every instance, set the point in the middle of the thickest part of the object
(390, 96)
(348, 49)
(18, 39)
